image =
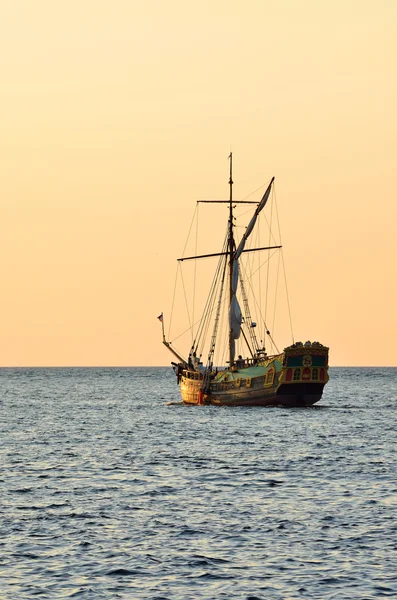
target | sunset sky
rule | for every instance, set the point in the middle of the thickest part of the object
(116, 116)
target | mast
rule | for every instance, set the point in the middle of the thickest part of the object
(231, 255)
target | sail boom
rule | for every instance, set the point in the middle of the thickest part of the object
(202, 256)
(224, 253)
(228, 201)
(264, 248)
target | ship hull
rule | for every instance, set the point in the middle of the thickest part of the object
(308, 395)
(295, 378)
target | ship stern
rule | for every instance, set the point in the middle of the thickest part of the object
(304, 374)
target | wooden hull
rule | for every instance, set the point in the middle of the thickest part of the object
(294, 378)
(308, 395)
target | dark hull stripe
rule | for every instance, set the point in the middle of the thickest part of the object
(284, 400)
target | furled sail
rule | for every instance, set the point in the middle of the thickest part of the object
(235, 316)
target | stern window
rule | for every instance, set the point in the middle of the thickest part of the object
(297, 374)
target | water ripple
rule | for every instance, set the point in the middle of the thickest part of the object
(108, 492)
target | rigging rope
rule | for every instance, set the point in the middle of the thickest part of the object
(194, 324)
(218, 310)
(249, 281)
(268, 264)
(275, 294)
(284, 270)
(209, 306)
(190, 228)
(195, 268)
(185, 296)
(248, 320)
(173, 301)
(176, 275)
(257, 190)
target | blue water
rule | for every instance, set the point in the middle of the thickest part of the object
(108, 492)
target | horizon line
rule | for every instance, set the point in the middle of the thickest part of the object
(163, 366)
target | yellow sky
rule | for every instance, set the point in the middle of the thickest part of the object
(117, 116)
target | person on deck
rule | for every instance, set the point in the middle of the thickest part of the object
(240, 362)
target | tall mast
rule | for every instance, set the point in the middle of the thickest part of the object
(231, 256)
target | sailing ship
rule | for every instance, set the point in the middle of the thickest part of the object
(293, 378)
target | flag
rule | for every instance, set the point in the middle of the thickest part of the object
(160, 318)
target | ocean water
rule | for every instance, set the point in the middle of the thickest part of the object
(108, 492)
